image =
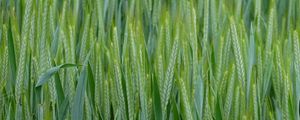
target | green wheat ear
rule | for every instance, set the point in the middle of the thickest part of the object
(237, 52)
(285, 98)
(168, 82)
(255, 103)
(4, 56)
(117, 74)
(21, 67)
(229, 94)
(297, 70)
(185, 100)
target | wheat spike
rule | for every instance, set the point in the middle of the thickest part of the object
(4, 57)
(229, 94)
(84, 38)
(169, 77)
(160, 75)
(259, 68)
(129, 82)
(285, 98)
(167, 36)
(106, 105)
(220, 63)
(117, 74)
(194, 50)
(297, 71)
(21, 66)
(129, 91)
(206, 25)
(255, 103)
(227, 46)
(270, 31)
(99, 79)
(237, 52)
(25, 31)
(185, 100)
(279, 77)
(142, 87)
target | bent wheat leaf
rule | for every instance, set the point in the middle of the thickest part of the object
(49, 73)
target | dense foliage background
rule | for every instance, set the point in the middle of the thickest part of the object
(149, 59)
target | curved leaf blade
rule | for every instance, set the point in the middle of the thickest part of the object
(49, 73)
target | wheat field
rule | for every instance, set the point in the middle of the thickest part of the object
(149, 60)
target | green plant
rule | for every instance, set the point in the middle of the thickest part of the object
(149, 59)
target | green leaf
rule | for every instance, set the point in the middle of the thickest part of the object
(63, 109)
(77, 108)
(12, 60)
(251, 58)
(48, 74)
(59, 89)
(199, 95)
(156, 101)
(218, 110)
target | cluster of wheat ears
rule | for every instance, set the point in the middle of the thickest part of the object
(149, 59)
